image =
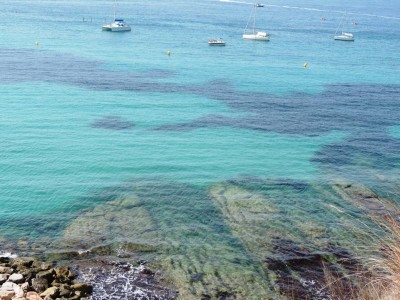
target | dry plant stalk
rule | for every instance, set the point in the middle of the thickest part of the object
(382, 280)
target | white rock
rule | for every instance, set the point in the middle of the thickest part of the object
(8, 286)
(24, 286)
(6, 295)
(19, 292)
(16, 278)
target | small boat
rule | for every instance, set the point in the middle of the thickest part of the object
(219, 42)
(255, 35)
(344, 36)
(259, 5)
(118, 24)
(259, 36)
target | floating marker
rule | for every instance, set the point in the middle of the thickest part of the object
(37, 43)
(169, 52)
(305, 65)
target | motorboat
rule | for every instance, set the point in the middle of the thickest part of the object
(219, 42)
(117, 25)
(344, 37)
(259, 5)
(255, 35)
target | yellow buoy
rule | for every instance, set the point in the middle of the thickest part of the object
(169, 52)
(305, 65)
(37, 43)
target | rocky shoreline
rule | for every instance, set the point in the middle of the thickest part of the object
(25, 278)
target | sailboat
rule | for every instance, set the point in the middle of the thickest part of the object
(118, 24)
(344, 36)
(256, 35)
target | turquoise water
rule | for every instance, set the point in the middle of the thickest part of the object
(91, 117)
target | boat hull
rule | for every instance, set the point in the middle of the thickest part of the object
(218, 43)
(343, 38)
(255, 37)
(114, 29)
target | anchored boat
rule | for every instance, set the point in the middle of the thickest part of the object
(118, 24)
(255, 35)
(344, 36)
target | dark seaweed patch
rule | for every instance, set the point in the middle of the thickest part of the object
(21, 65)
(365, 111)
(301, 273)
(112, 123)
(371, 148)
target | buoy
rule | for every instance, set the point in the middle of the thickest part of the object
(305, 65)
(169, 52)
(37, 43)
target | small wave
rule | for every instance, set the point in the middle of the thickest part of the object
(314, 9)
(123, 281)
(8, 254)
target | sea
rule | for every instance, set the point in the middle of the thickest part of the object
(197, 158)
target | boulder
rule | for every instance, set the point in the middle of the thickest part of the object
(6, 295)
(19, 292)
(42, 266)
(63, 274)
(65, 291)
(3, 278)
(8, 286)
(48, 275)
(40, 284)
(45, 266)
(4, 259)
(16, 278)
(22, 262)
(33, 296)
(30, 273)
(52, 292)
(84, 288)
(25, 286)
(74, 297)
(6, 270)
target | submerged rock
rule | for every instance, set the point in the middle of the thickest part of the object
(304, 274)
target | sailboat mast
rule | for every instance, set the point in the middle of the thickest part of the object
(115, 9)
(341, 23)
(254, 22)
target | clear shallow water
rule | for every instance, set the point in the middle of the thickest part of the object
(89, 118)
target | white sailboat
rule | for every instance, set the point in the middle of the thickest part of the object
(255, 35)
(118, 24)
(343, 36)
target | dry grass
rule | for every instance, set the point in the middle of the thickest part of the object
(381, 278)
